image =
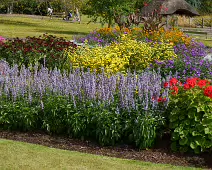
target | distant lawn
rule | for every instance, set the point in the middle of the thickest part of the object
(202, 38)
(18, 155)
(15, 25)
(25, 25)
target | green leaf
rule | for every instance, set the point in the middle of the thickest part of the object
(183, 149)
(199, 140)
(197, 150)
(181, 117)
(191, 113)
(193, 145)
(207, 131)
(174, 146)
(195, 133)
(175, 136)
(183, 141)
(173, 125)
(173, 117)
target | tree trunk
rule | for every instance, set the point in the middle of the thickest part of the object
(109, 22)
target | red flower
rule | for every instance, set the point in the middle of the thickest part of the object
(166, 84)
(203, 83)
(192, 82)
(186, 86)
(173, 82)
(145, 4)
(208, 91)
(160, 99)
(175, 90)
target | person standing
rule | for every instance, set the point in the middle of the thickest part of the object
(50, 12)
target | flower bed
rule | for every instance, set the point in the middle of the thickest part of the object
(114, 91)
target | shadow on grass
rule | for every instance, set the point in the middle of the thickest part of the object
(64, 32)
(18, 23)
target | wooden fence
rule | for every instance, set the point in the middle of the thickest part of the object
(195, 22)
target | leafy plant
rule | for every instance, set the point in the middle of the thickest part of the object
(146, 129)
(153, 22)
(190, 115)
(47, 50)
(119, 57)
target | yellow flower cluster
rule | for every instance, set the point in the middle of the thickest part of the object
(128, 54)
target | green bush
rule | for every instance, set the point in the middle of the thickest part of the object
(190, 116)
(119, 57)
(47, 50)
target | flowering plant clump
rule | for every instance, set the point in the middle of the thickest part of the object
(103, 36)
(2, 39)
(173, 36)
(84, 104)
(46, 49)
(119, 57)
(190, 62)
(190, 114)
(106, 36)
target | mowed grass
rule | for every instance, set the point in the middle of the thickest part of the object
(18, 155)
(15, 25)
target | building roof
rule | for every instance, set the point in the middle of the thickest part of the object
(169, 7)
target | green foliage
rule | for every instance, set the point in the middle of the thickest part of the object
(146, 129)
(153, 22)
(190, 120)
(55, 113)
(128, 54)
(47, 50)
(105, 10)
(204, 6)
(19, 115)
(109, 127)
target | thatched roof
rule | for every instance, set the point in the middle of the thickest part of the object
(169, 7)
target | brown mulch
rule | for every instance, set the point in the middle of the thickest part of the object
(160, 154)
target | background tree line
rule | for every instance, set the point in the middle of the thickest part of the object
(101, 10)
(38, 7)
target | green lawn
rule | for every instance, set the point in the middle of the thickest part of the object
(28, 25)
(18, 155)
(25, 25)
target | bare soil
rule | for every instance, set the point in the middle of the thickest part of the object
(160, 154)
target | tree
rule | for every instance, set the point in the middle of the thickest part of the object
(204, 6)
(105, 10)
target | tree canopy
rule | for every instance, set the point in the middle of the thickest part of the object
(106, 9)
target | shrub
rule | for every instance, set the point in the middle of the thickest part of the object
(106, 36)
(118, 57)
(47, 50)
(174, 36)
(103, 36)
(2, 39)
(189, 63)
(190, 115)
(84, 104)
